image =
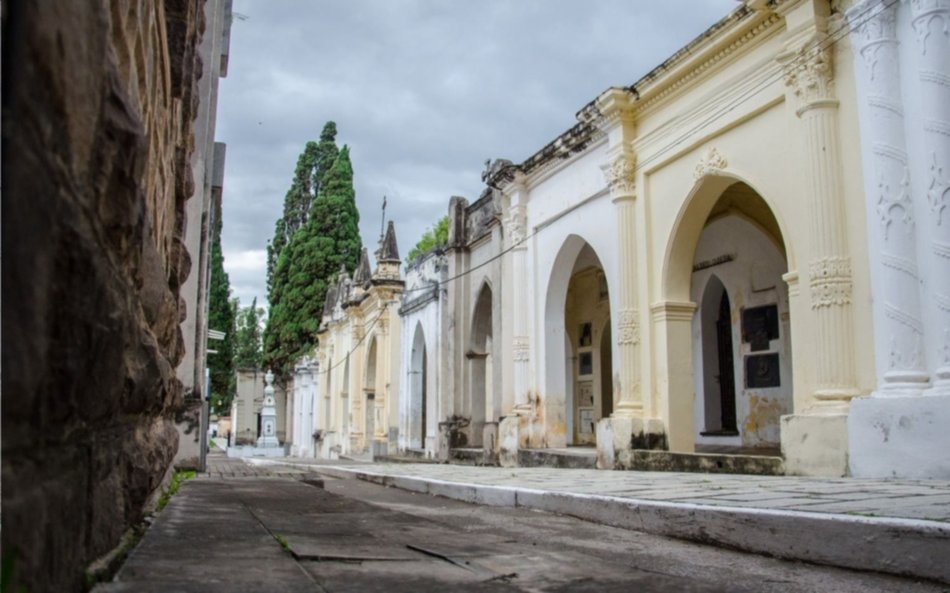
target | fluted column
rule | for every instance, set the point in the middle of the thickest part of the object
(892, 230)
(930, 20)
(809, 79)
(515, 227)
(621, 179)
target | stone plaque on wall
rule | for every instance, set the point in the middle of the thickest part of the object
(585, 394)
(759, 326)
(761, 370)
(587, 422)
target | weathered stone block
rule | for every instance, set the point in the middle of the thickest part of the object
(815, 445)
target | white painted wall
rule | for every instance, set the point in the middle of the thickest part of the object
(752, 279)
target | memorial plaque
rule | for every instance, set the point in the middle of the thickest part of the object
(587, 422)
(586, 364)
(759, 326)
(761, 370)
(585, 393)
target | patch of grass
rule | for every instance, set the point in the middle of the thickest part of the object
(167, 493)
(282, 541)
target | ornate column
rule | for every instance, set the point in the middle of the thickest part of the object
(892, 232)
(930, 20)
(620, 173)
(809, 78)
(515, 226)
(621, 178)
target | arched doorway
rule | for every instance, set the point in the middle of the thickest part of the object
(418, 383)
(741, 350)
(369, 395)
(481, 397)
(578, 352)
(719, 385)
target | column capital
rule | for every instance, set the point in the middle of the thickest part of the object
(809, 74)
(515, 225)
(871, 22)
(620, 173)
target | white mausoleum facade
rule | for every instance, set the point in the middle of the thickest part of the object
(746, 248)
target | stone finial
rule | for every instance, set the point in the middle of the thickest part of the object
(388, 250)
(363, 273)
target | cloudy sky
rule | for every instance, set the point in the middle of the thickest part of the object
(423, 92)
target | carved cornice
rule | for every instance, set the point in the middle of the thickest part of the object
(644, 86)
(925, 12)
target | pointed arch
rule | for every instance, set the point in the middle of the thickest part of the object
(418, 389)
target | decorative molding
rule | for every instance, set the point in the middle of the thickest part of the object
(892, 152)
(901, 264)
(886, 203)
(382, 326)
(628, 327)
(942, 301)
(897, 355)
(939, 189)
(701, 68)
(621, 175)
(935, 77)
(673, 311)
(872, 22)
(925, 12)
(941, 249)
(909, 321)
(830, 281)
(937, 126)
(882, 102)
(712, 161)
(520, 349)
(515, 225)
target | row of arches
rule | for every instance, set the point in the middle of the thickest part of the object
(727, 255)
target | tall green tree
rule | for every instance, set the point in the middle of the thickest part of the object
(305, 267)
(247, 336)
(221, 318)
(312, 165)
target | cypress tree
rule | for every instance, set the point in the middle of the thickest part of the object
(312, 165)
(221, 318)
(330, 238)
(247, 337)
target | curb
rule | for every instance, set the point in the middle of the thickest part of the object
(904, 547)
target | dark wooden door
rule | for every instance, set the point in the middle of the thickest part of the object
(727, 383)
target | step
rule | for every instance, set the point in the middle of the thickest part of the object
(712, 463)
(585, 458)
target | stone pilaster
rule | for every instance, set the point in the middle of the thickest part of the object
(620, 174)
(930, 20)
(892, 229)
(516, 231)
(809, 79)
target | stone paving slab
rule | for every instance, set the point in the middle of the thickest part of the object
(896, 526)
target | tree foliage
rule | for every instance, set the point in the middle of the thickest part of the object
(221, 318)
(312, 165)
(306, 265)
(437, 236)
(247, 336)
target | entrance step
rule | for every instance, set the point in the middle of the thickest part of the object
(568, 458)
(407, 456)
(470, 456)
(711, 463)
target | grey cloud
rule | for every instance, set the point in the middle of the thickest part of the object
(423, 91)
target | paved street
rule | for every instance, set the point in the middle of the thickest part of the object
(262, 530)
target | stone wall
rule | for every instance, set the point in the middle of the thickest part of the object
(98, 104)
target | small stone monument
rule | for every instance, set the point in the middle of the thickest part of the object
(268, 436)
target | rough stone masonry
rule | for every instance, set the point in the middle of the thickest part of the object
(98, 102)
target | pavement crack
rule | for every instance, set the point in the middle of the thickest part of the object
(440, 556)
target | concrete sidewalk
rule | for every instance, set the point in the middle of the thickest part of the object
(895, 526)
